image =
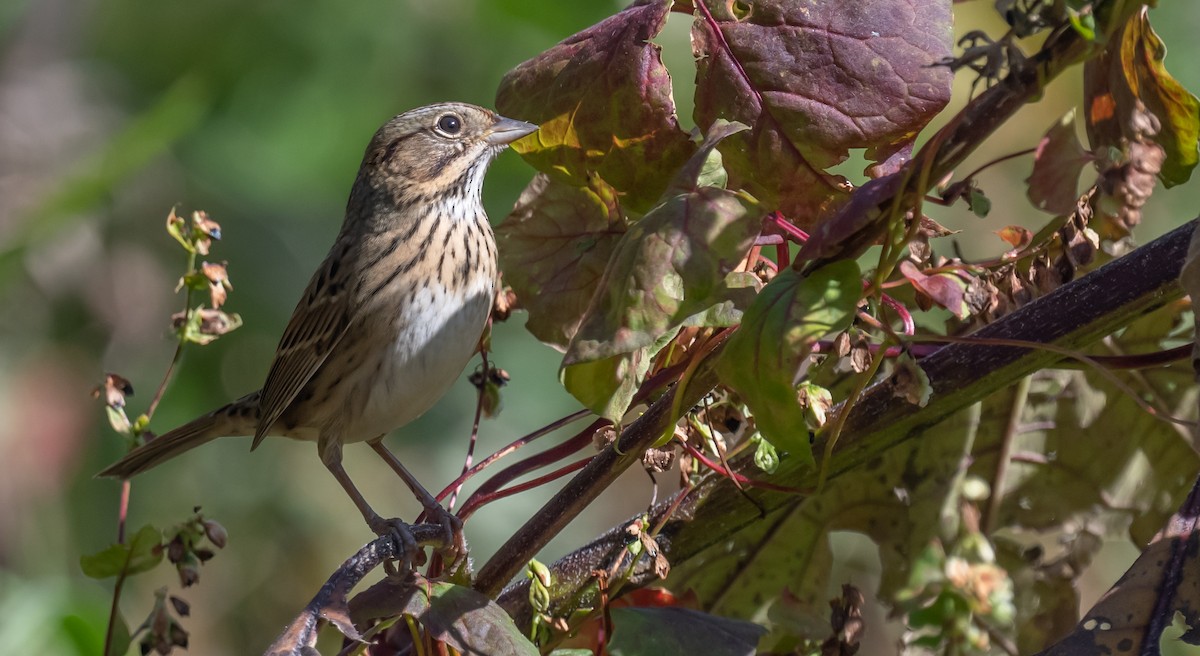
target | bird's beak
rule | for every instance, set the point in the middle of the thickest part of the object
(507, 130)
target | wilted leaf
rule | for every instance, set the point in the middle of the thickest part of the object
(814, 80)
(603, 101)
(554, 247)
(910, 382)
(669, 630)
(114, 390)
(1054, 184)
(767, 356)
(138, 554)
(204, 325)
(218, 282)
(1127, 185)
(1131, 70)
(846, 619)
(1016, 236)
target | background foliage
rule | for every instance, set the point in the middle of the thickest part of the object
(112, 111)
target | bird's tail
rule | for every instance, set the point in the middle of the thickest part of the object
(234, 419)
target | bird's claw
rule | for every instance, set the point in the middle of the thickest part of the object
(408, 550)
(454, 545)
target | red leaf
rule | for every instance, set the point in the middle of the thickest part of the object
(947, 290)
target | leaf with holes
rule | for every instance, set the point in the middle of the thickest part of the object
(814, 80)
(603, 101)
(768, 355)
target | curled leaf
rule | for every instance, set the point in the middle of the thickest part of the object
(1130, 71)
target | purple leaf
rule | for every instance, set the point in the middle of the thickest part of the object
(1054, 184)
(814, 79)
(603, 101)
(554, 247)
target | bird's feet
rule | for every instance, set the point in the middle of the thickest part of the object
(454, 546)
(408, 551)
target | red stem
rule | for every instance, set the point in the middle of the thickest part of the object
(738, 478)
(478, 499)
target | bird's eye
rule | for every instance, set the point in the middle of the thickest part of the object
(449, 124)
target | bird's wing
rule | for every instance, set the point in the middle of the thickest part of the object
(318, 324)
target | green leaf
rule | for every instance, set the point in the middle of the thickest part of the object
(767, 356)
(980, 204)
(607, 386)
(780, 567)
(669, 269)
(139, 554)
(673, 268)
(670, 630)
(1165, 97)
(766, 457)
(1130, 71)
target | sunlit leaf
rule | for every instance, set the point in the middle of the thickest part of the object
(1132, 69)
(674, 267)
(779, 568)
(603, 101)
(767, 356)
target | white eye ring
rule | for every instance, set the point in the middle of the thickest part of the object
(448, 125)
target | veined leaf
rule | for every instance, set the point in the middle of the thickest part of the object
(767, 356)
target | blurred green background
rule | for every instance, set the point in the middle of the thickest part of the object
(111, 112)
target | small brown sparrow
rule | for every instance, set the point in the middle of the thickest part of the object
(394, 313)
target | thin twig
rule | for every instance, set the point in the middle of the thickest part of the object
(1011, 430)
(482, 392)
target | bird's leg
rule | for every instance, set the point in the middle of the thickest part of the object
(331, 455)
(456, 543)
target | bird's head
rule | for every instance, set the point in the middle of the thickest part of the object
(440, 149)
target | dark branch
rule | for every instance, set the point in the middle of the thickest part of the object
(1072, 316)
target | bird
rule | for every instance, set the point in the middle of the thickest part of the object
(393, 314)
